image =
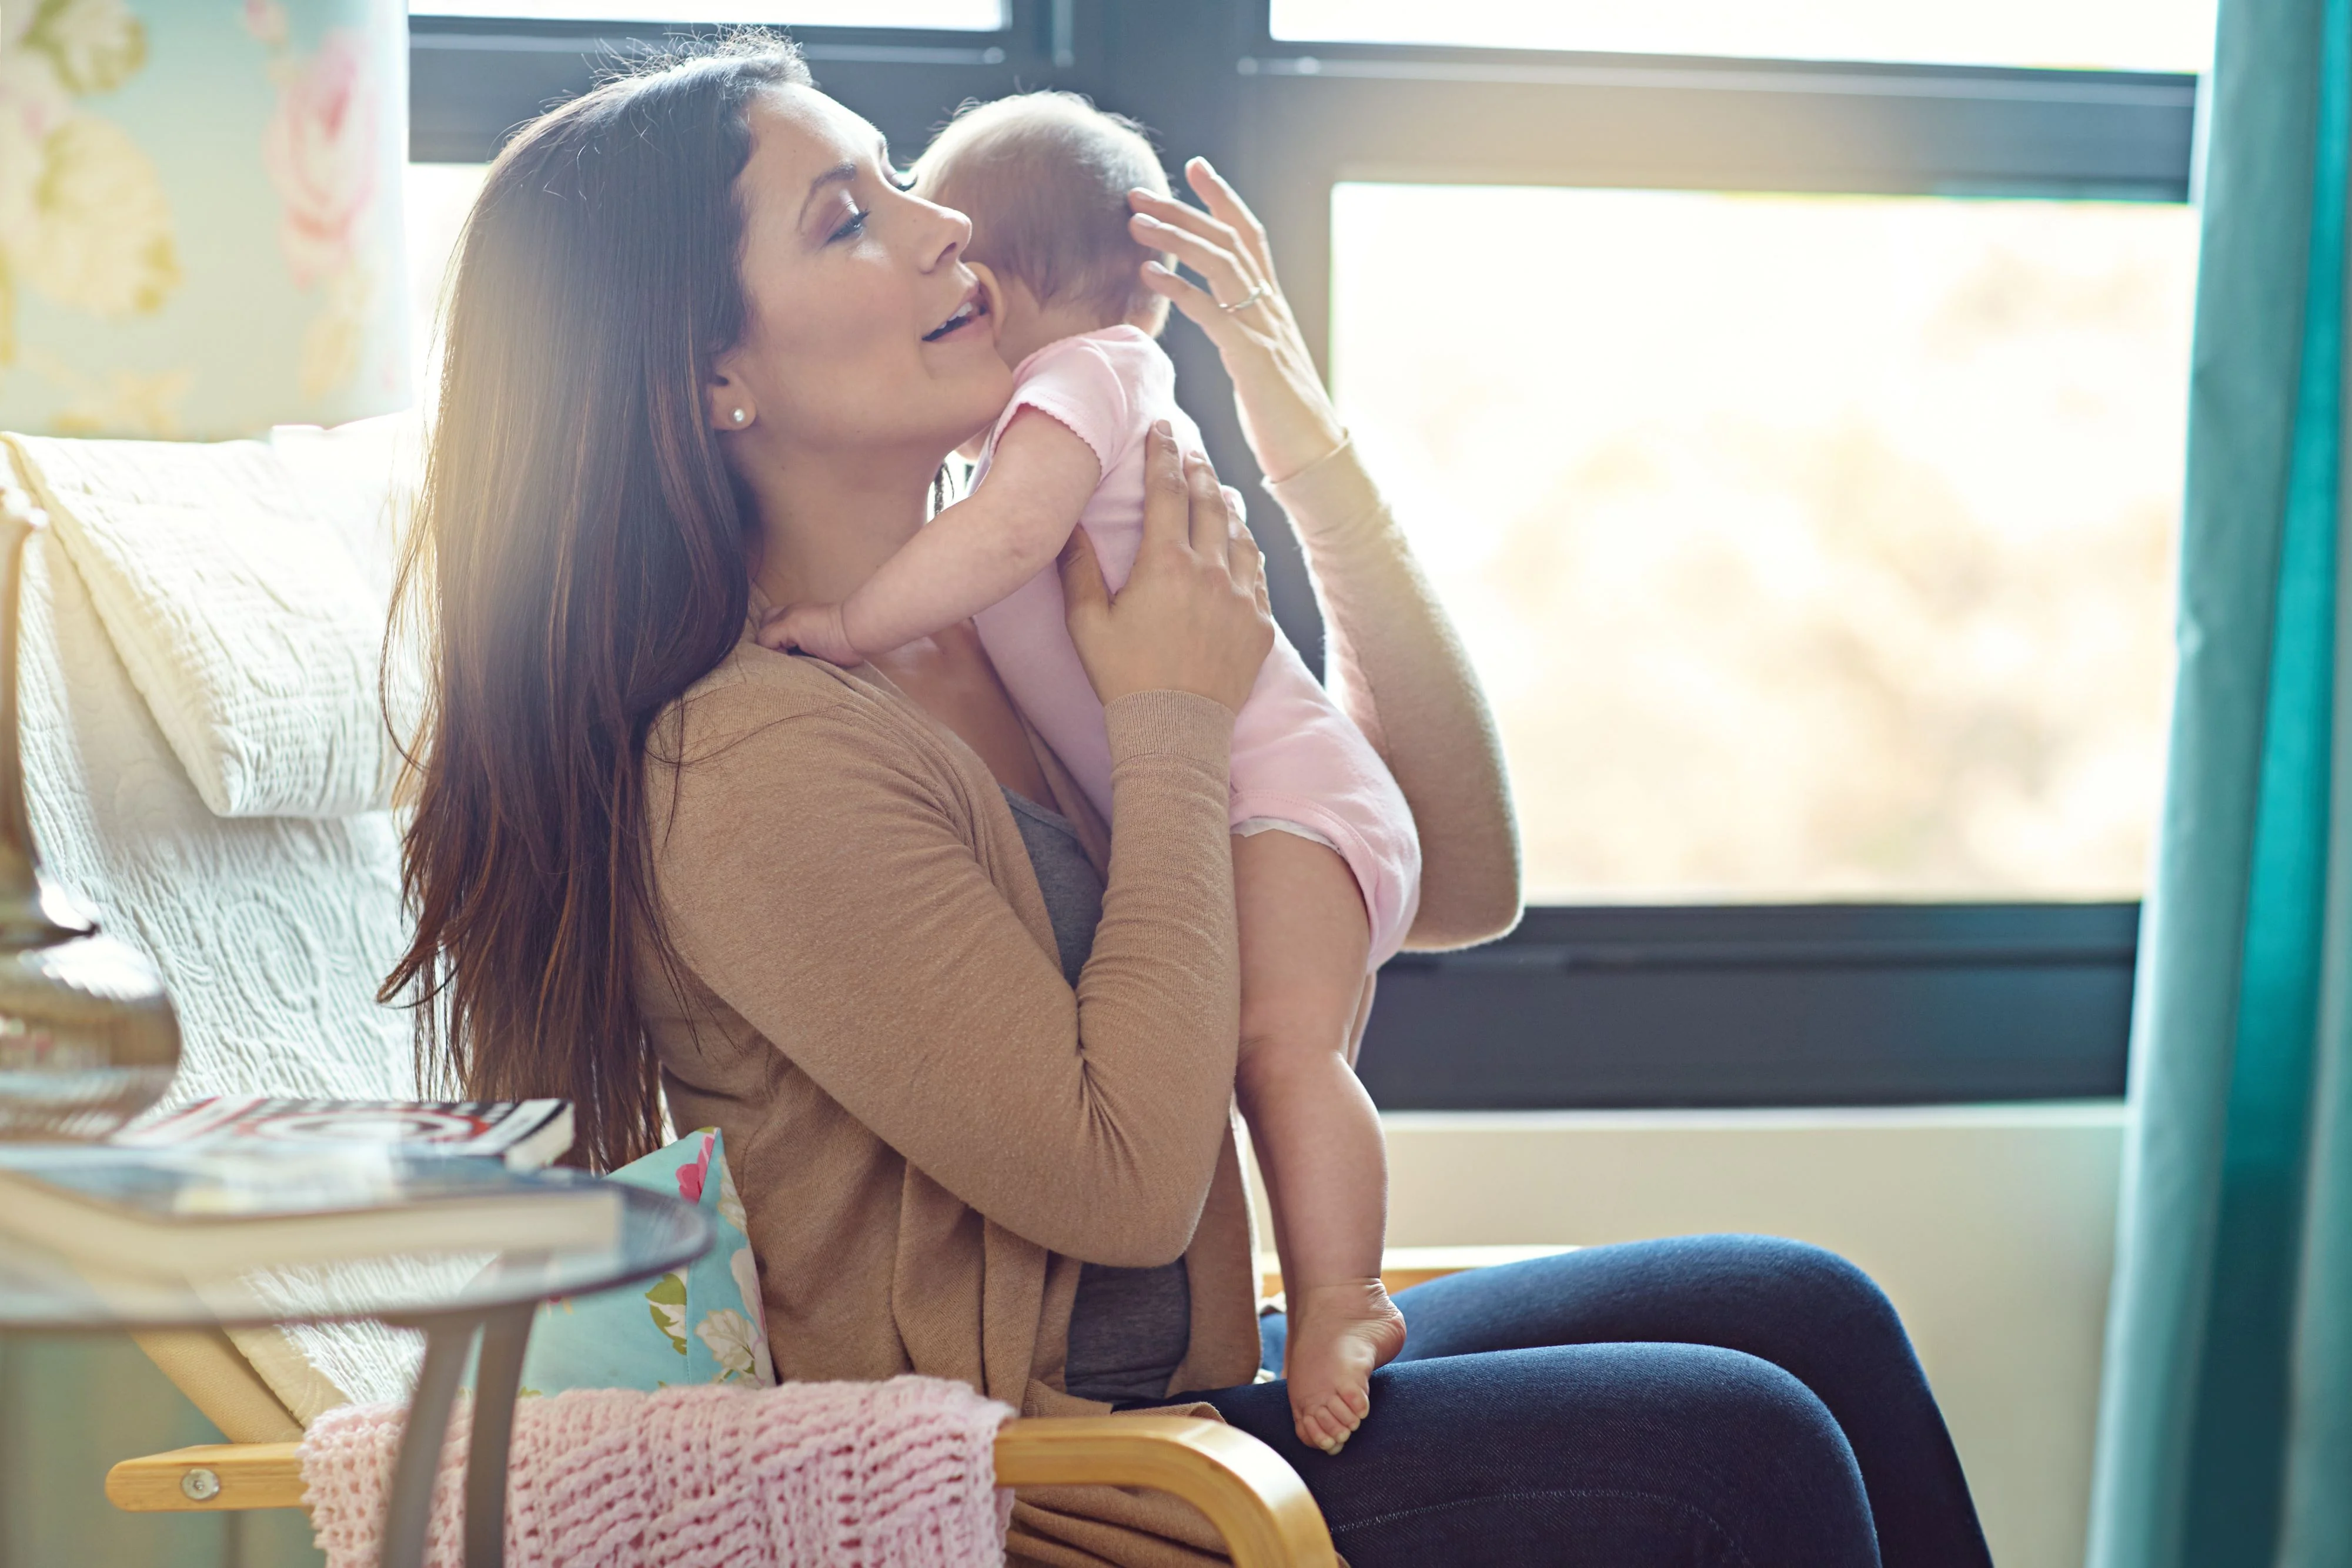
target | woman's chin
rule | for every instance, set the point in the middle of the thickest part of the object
(976, 391)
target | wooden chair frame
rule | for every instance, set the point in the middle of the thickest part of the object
(1256, 1502)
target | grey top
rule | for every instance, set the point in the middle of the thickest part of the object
(1131, 1327)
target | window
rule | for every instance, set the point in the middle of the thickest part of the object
(2102, 34)
(1789, 402)
(959, 15)
(1808, 546)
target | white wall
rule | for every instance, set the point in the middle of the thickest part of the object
(1990, 1227)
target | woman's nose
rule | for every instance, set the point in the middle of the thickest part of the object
(947, 233)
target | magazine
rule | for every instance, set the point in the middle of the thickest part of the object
(525, 1135)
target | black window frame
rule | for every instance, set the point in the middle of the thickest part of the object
(1602, 1006)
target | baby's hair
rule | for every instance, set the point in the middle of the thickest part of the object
(1044, 177)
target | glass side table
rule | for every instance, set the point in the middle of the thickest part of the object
(451, 1298)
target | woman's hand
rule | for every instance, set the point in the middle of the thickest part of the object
(1286, 413)
(1194, 614)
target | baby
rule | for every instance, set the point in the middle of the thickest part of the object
(1327, 870)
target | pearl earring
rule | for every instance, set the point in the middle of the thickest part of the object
(739, 416)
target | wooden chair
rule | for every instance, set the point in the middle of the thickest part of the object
(1255, 1500)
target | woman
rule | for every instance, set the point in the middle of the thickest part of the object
(973, 1056)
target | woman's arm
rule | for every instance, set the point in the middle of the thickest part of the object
(816, 875)
(964, 560)
(816, 878)
(1393, 659)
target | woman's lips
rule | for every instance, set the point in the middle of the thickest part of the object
(974, 310)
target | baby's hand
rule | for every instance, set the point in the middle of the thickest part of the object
(812, 629)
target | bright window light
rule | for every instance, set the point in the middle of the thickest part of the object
(1807, 545)
(955, 16)
(2105, 35)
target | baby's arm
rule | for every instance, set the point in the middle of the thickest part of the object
(972, 555)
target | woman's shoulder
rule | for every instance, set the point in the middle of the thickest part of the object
(812, 708)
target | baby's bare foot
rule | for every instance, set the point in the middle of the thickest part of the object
(1339, 1333)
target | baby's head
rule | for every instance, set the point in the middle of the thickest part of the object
(1043, 178)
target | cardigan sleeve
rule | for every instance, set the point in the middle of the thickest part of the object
(817, 875)
(1400, 671)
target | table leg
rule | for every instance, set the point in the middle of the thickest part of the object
(498, 1376)
(408, 1510)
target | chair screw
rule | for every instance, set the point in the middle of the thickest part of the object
(200, 1485)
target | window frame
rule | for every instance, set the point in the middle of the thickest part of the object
(1620, 1005)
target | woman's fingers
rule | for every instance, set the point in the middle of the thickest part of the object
(1229, 278)
(1167, 495)
(1199, 305)
(1247, 561)
(1206, 228)
(1226, 205)
(1286, 413)
(1086, 596)
(1212, 533)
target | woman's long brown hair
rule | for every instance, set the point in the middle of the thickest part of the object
(579, 561)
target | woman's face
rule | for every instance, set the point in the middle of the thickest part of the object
(866, 332)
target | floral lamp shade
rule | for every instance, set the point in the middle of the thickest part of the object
(200, 214)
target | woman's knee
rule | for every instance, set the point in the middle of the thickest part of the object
(1808, 1283)
(1784, 1468)
(1729, 1438)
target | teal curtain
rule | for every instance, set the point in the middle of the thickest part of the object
(2226, 1423)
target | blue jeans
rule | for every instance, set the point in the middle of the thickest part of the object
(1734, 1400)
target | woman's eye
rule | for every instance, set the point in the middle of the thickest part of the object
(851, 226)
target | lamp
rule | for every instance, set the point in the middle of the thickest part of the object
(200, 214)
(199, 239)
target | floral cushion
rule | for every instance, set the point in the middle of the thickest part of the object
(700, 1323)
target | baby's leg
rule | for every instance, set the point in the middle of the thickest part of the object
(1304, 939)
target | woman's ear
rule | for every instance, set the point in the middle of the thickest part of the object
(727, 404)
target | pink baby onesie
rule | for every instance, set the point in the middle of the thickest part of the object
(1296, 760)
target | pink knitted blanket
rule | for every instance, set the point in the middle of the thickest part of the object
(848, 1475)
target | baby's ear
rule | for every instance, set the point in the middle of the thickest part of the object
(994, 293)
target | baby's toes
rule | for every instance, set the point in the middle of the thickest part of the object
(1316, 1435)
(1337, 1420)
(1317, 1432)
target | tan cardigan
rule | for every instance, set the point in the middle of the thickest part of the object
(930, 1129)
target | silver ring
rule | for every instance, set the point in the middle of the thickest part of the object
(1254, 294)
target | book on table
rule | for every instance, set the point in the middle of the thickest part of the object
(215, 1212)
(524, 1134)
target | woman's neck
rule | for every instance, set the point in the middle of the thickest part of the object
(827, 526)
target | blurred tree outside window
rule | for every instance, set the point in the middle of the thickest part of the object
(1808, 546)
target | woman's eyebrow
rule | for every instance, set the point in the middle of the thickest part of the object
(840, 174)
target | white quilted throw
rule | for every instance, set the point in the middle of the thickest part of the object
(273, 928)
(241, 620)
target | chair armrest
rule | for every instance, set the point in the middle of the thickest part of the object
(1256, 1502)
(209, 1477)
